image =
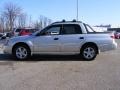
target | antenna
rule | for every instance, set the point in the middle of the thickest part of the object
(77, 11)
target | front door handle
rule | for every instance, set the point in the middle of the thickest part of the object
(56, 38)
(81, 38)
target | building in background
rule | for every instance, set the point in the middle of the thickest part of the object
(101, 27)
(114, 29)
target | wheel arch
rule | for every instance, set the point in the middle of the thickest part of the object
(90, 43)
(21, 43)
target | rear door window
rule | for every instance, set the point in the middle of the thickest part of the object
(71, 29)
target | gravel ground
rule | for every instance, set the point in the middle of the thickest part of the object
(61, 73)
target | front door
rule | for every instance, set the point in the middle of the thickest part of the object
(48, 40)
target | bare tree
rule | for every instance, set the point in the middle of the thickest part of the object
(49, 21)
(2, 23)
(45, 21)
(22, 18)
(11, 12)
(30, 21)
(0, 27)
(37, 25)
(42, 22)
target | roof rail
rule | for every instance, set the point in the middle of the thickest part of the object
(63, 20)
(74, 20)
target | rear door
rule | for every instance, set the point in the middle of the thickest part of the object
(71, 38)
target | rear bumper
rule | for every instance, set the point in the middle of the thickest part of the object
(108, 47)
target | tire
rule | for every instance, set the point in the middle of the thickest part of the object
(21, 52)
(89, 52)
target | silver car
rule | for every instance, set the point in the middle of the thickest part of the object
(61, 38)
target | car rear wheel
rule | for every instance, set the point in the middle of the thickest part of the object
(21, 52)
(89, 52)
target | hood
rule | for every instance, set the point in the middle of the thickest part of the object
(22, 38)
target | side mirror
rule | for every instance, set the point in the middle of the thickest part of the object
(38, 34)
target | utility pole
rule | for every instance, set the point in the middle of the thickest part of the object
(77, 11)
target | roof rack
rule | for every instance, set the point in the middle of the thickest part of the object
(63, 20)
(74, 20)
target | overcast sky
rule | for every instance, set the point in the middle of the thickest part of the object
(90, 11)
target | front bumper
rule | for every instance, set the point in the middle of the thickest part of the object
(7, 49)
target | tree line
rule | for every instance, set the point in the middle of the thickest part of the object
(12, 16)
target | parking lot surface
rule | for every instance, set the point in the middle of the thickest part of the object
(61, 72)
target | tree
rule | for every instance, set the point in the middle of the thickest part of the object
(42, 22)
(22, 20)
(37, 25)
(2, 23)
(11, 12)
(0, 27)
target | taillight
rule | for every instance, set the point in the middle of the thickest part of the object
(113, 36)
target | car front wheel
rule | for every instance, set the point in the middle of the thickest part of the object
(21, 52)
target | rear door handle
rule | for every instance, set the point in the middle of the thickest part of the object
(81, 38)
(56, 38)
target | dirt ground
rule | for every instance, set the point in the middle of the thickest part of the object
(61, 72)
